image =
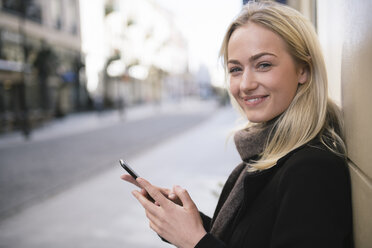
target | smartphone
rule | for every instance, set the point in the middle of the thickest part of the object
(133, 174)
(128, 169)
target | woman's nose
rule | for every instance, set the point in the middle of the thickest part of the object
(248, 82)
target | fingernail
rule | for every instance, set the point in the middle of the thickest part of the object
(172, 195)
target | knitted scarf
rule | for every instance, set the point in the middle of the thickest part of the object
(249, 143)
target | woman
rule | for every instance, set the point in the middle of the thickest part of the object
(292, 188)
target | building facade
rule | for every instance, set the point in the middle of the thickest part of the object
(40, 61)
(134, 52)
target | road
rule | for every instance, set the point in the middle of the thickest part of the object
(31, 171)
(100, 210)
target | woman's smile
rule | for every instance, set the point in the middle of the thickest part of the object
(253, 101)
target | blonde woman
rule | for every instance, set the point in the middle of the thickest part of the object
(292, 188)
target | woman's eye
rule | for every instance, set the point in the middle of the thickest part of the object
(234, 69)
(264, 66)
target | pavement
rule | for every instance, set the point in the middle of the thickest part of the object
(101, 212)
(86, 121)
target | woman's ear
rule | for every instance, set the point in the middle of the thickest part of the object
(303, 74)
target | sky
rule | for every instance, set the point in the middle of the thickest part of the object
(203, 23)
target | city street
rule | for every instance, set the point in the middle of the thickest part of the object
(82, 146)
(62, 188)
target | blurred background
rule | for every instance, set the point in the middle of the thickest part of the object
(60, 57)
(84, 83)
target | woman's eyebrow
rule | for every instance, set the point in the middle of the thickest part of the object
(233, 61)
(251, 59)
(259, 55)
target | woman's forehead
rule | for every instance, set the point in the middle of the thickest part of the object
(253, 38)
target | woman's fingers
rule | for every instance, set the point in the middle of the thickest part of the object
(174, 198)
(153, 212)
(178, 225)
(166, 192)
(130, 179)
(153, 191)
(146, 203)
(184, 197)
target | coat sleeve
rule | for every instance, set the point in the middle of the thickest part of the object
(314, 203)
(208, 241)
(206, 221)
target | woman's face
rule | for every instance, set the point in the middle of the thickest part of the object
(263, 75)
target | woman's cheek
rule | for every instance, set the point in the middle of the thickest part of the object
(234, 88)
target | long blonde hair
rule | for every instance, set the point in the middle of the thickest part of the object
(311, 113)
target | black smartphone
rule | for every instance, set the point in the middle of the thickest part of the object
(128, 169)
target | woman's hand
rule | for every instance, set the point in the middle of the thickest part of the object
(179, 224)
(166, 192)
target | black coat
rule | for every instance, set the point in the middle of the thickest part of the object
(303, 201)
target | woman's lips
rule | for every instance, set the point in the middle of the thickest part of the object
(254, 100)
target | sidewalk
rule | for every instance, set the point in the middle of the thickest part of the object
(87, 121)
(101, 212)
